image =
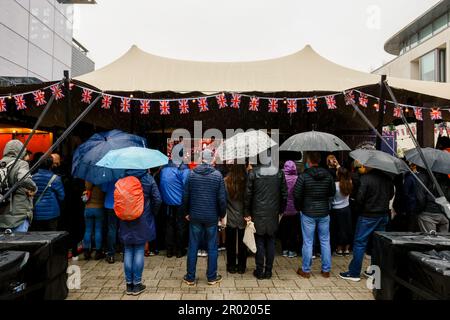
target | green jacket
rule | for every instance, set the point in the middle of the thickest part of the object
(21, 205)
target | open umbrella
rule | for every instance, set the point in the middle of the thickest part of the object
(314, 141)
(133, 158)
(437, 160)
(245, 145)
(379, 160)
(96, 147)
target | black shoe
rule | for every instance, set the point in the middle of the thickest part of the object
(138, 289)
(241, 270)
(232, 269)
(129, 290)
(99, 255)
(87, 254)
(110, 259)
(181, 254)
(169, 254)
(217, 280)
(258, 275)
(267, 275)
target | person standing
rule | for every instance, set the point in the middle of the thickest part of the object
(341, 215)
(374, 195)
(17, 213)
(265, 200)
(235, 187)
(112, 222)
(205, 204)
(313, 193)
(93, 196)
(136, 233)
(289, 224)
(48, 198)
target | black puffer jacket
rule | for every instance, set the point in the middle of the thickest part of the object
(265, 198)
(314, 191)
(374, 194)
(425, 203)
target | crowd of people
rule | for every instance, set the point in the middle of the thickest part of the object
(316, 207)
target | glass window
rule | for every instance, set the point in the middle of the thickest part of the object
(414, 40)
(428, 67)
(426, 33)
(440, 23)
(442, 66)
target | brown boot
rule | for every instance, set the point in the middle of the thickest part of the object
(325, 274)
(303, 274)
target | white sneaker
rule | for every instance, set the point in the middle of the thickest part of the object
(75, 258)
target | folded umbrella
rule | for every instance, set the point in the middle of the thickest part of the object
(379, 160)
(133, 158)
(437, 160)
(314, 141)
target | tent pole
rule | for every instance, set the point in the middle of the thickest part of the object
(382, 98)
(68, 109)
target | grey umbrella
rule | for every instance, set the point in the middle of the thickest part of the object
(379, 160)
(438, 161)
(314, 141)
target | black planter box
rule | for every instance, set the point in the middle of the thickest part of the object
(12, 265)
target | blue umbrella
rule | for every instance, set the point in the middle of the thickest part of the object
(133, 158)
(90, 152)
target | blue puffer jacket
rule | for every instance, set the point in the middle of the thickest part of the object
(172, 181)
(48, 206)
(205, 198)
(143, 229)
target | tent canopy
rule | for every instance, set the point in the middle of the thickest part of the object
(303, 71)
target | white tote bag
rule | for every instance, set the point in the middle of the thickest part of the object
(249, 236)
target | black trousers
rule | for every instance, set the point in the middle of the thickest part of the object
(265, 246)
(175, 229)
(341, 227)
(235, 240)
(289, 233)
(44, 225)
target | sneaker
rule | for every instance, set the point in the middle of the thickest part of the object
(348, 276)
(129, 290)
(204, 254)
(314, 256)
(110, 259)
(222, 249)
(258, 275)
(339, 253)
(217, 280)
(138, 289)
(303, 274)
(292, 254)
(346, 253)
(188, 282)
(285, 253)
(152, 254)
(325, 274)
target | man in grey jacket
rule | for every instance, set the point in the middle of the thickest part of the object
(17, 214)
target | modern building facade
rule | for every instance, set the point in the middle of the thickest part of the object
(37, 41)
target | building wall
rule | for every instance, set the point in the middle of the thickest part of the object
(36, 38)
(81, 63)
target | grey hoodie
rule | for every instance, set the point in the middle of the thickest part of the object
(21, 205)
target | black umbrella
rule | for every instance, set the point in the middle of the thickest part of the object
(437, 160)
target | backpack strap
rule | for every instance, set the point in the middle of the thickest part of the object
(49, 184)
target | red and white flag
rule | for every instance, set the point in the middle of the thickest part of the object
(86, 96)
(311, 104)
(291, 106)
(184, 106)
(57, 91)
(39, 98)
(254, 104)
(164, 107)
(398, 112)
(125, 105)
(349, 98)
(2, 105)
(418, 114)
(145, 106)
(20, 102)
(203, 104)
(363, 100)
(106, 102)
(222, 101)
(236, 101)
(436, 114)
(331, 102)
(273, 105)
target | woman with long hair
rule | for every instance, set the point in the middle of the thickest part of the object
(235, 186)
(341, 214)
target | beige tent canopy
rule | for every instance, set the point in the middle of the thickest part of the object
(304, 71)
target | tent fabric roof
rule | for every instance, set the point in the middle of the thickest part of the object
(303, 71)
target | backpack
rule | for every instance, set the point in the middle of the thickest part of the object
(5, 182)
(128, 199)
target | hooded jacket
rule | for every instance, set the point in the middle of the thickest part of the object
(21, 205)
(425, 203)
(48, 206)
(204, 198)
(142, 230)
(314, 192)
(265, 198)
(290, 172)
(172, 181)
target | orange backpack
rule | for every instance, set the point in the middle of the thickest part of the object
(128, 199)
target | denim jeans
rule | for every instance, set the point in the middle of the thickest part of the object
(308, 229)
(23, 227)
(133, 262)
(197, 232)
(111, 238)
(94, 222)
(265, 253)
(365, 227)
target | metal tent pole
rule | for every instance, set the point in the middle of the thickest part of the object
(382, 96)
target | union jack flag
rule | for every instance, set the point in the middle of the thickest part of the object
(292, 106)
(222, 101)
(145, 106)
(57, 92)
(164, 107)
(273, 105)
(363, 100)
(398, 112)
(436, 114)
(331, 102)
(254, 104)
(86, 96)
(349, 98)
(235, 101)
(106, 102)
(125, 105)
(418, 114)
(311, 104)
(39, 98)
(2, 105)
(203, 104)
(184, 106)
(20, 102)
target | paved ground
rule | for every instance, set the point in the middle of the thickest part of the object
(163, 278)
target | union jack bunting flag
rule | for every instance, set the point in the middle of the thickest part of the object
(254, 104)
(311, 104)
(363, 100)
(106, 102)
(125, 105)
(184, 106)
(86, 96)
(291, 106)
(20, 102)
(2, 105)
(145, 106)
(273, 105)
(398, 112)
(57, 91)
(418, 114)
(203, 104)
(39, 98)
(436, 114)
(236, 101)
(222, 101)
(349, 98)
(331, 102)
(164, 107)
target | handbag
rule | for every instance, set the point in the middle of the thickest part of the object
(249, 236)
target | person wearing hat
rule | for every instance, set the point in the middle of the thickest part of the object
(204, 204)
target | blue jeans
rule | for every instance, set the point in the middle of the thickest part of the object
(364, 228)
(93, 218)
(197, 233)
(112, 231)
(23, 227)
(133, 262)
(308, 229)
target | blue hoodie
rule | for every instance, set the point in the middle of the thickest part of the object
(172, 181)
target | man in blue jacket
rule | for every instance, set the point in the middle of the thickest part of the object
(173, 177)
(204, 204)
(48, 198)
